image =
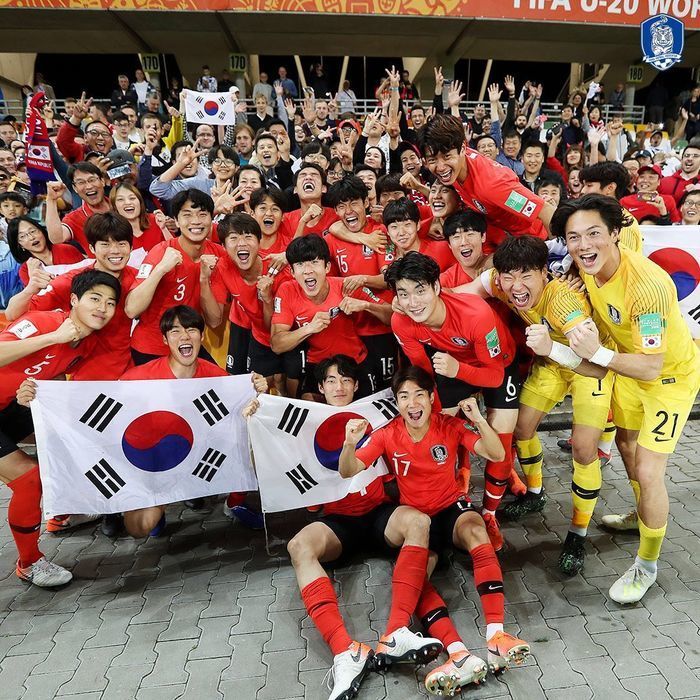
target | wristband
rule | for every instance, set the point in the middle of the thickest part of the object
(563, 355)
(394, 88)
(602, 356)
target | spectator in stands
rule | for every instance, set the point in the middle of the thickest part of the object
(263, 87)
(97, 136)
(533, 157)
(692, 107)
(617, 98)
(551, 188)
(687, 177)
(225, 83)
(262, 117)
(207, 82)
(141, 87)
(648, 202)
(120, 131)
(123, 94)
(689, 206)
(243, 139)
(290, 89)
(318, 81)
(40, 85)
(407, 89)
(657, 99)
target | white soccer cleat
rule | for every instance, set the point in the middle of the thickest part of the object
(504, 650)
(632, 585)
(626, 522)
(348, 671)
(461, 669)
(404, 646)
(44, 573)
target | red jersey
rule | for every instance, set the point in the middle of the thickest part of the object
(294, 308)
(160, 369)
(675, 184)
(454, 276)
(75, 221)
(356, 504)
(437, 250)
(151, 236)
(354, 259)
(641, 209)
(226, 280)
(53, 361)
(279, 246)
(426, 471)
(496, 192)
(471, 333)
(61, 254)
(179, 286)
(290, 223)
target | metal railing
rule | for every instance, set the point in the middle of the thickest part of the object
(633, 114)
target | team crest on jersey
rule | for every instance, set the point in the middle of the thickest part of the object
(493, 344)
(462, 342)
(615, 315)
(479, 206)
(439, 453)
(367, 252)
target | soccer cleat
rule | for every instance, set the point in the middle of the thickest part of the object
(573, 553)
(632, 585)
(112, 524)
(44, 573)
(157, 531)
(565, 444)
(461, 669)
(625, 522)
(493, 531)
(246, 516)
(515, 484)
(604, 458)
(404, 646)
(349, 670)
(67, 522)
(195, 503)
(505, 649)
(523, 505)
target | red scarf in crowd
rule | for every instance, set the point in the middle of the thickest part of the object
(38, 158)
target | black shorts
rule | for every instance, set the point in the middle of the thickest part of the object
(442, 524)
(237, 356)
(366, 381)
(382, 356)
(361, 533)
(15, 425)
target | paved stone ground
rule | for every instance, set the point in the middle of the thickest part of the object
(206, 613)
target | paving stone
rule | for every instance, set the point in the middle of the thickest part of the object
(246, 660)
(90, 675)
(162, 692)
(214, 640)
(14, 670)
(253, 615)
(687, 637)
(124, 681)
(648, 687)
(524, 682)
(282, 675)
(39, 639)
(112, 630)
(204, 679)
(241, 687)
(140, 648)
(223, 600)
(600, 677)
(64, 655)
(578, 692)
(169, 668)
(645, 636)
(550, 655)
(156, 607)
(577, 640)
(682, 682)
(44, 686)
(183, 623)
(286, 629)
(627, 660)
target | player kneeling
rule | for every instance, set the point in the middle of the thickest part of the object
(422, 447)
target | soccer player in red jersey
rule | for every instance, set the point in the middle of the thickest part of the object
(181, 328)
(109, 238)
(443, 201)
(459, 339)
(314, 304)
(402, 218)
(170, 273)
(482, 184)
(43, 345)
(312, 217)
(465, 233)
(423, 448)
(246, 277)
(361, 268)
(268, 205)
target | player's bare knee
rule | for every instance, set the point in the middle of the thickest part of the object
(299, 549)
(583, 451)
(471, 533)
(417, 526)
(140, 523)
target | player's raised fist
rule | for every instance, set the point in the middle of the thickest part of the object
(354, 430)
(67, 332)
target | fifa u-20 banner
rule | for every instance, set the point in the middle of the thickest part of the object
(109, 447)
(677, 250)
(296, 445)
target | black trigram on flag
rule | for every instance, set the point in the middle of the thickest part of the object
(221, 100)
(101, 412)
(200, 114)
(105, 479)
(293, 419)
(222, 116)
(211, 407)
(386, 407)
(209, 464)
(199, 99)
(301, 479)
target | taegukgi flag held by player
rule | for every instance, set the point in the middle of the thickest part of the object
(296, 445)
(110, 447)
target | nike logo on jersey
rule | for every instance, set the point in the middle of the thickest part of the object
(595, 393)
(658, 439)
(402, 454)
(180, 280)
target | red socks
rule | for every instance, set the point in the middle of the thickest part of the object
(24, 515)
(406, 585)
(496, 474)
(432, 611)
(322, 604)
(489, 582)
(235, 499)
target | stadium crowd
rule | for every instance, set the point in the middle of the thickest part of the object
(440, 254)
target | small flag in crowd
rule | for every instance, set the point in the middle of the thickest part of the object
(108, 447)
(209, 108)
(296, 445)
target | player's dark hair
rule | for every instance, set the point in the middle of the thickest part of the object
(84, 167)
(441, 134)
(607, 173)
(108, 226)
(312, 166)
(413, 266)
(534, 144)
(254, 168)
(467, 220)
(226, 152)
(308, 248)
(186, 315)
(85, 281)
(520, 254)
(238, 222)
(348, 189)
(401, 210)
(198, 199)
(608, 208)
(258, 196)
(18, 253)
(414, 374)
(391, 182)
(347, 367)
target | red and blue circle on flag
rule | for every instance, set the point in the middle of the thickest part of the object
(681, 266)
(211, 108)
(157, 441)
(330, 436)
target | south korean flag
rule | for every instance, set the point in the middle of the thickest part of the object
(296, 445)
(109, 447)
